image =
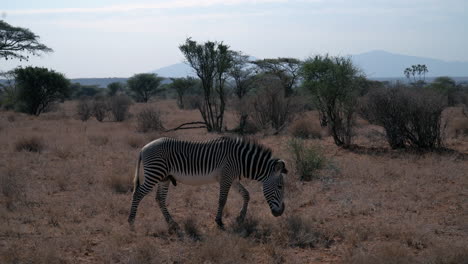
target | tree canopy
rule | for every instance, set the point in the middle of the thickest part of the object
(39, 87)
(17, 42)
(286, 69)
(334, 83)
(144, 86)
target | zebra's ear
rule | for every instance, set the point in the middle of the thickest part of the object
(280, 166)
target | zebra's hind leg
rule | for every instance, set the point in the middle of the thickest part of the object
(224, 187)
(138, 195)
(161, 195)
(245, 195)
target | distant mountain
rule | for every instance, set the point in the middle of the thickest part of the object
(382, 64)
(100, 82)
(376, 64)
(177, 70)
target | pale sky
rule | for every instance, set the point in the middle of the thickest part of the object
(118, 38)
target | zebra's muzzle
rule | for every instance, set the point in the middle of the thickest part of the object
(278, 212)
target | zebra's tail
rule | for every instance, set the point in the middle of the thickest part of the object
(136, 180)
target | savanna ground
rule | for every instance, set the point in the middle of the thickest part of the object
(69, 202)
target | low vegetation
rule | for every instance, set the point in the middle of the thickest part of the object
(308, 160)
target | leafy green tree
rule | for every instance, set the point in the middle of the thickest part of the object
(182, 86)
(114, 87)
(334, 84)
(211, 62)
(17, 42)
(242, 74)
(144, 86)
(40, 87)
(286, 69)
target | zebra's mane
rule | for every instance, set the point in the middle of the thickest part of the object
(252, 142)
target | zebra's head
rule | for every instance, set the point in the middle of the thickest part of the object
(273, 188)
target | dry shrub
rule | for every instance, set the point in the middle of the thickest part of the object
(98, 140)
(409, 117)
(223, 248)
(84, 109)
(304, 128)
(119, 106)
(384, 253)
(100, 108)
(30, 144)
(149, 120)
(190, 228)
(307, 159)
(270, 108)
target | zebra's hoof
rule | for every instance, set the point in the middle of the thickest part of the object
(220, 224)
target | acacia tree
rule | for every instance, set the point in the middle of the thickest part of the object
(182, 86)
(211, 62)
(334, 83)
(286, 69)
(39, 87)
(144, 86)
(17, 42)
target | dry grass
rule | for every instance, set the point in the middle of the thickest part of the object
(71, 202)
(30, 144)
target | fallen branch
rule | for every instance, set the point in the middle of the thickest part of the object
(186, 124)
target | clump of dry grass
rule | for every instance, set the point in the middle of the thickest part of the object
(30, 144)
(190, 228)
(302, 234)
(63, 152)
(223, 248)
(119, 179)
(98, 140)
(305, 128)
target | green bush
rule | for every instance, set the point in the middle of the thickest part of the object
(307, 159)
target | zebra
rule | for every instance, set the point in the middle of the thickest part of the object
(225, 160)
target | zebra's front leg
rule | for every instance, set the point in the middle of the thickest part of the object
(246, 197)
(161, 195)
(224, 186)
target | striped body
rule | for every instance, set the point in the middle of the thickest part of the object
(223, 160)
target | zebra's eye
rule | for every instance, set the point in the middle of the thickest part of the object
(280, 186)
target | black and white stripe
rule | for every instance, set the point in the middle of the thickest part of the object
(225, 160)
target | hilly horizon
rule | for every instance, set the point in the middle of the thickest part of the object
(376, 64)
